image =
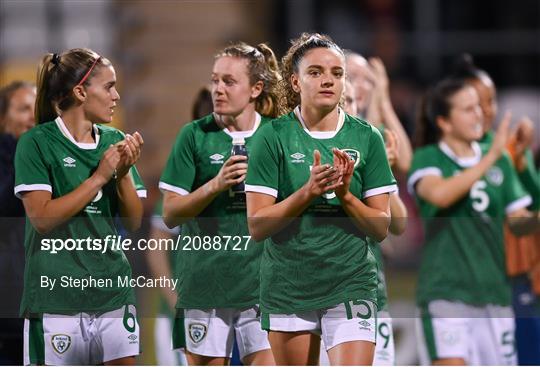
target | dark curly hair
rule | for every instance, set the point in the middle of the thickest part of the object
(289, 99)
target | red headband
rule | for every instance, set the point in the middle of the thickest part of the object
(89, 71)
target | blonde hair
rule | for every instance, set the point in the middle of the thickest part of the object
(262, 66)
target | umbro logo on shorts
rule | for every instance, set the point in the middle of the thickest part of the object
(364, 325)
(216, 159)
(133, 339)
(197, 332)
(69, 162)
(298, 157)
(60, 343)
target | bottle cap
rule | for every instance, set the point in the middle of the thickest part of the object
(238, 140)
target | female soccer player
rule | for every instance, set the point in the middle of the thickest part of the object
(318, 187)
(464, 190)
(74, 176)
(218, 264)
(520, 264)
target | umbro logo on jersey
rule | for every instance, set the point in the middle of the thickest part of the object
(298, 157)
(216, 159)
(69, 162)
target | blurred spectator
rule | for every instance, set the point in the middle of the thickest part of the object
(16, 117)
(372, 89)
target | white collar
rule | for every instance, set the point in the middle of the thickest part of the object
(321, 134)
(463, 162)
(64, 130)
(240, 134)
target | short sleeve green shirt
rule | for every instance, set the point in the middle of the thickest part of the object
(321, 259)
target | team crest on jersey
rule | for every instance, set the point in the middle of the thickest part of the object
(69, 162)
(354, 154)
(216, 159)
(298, 157)
(197, 332)
(61, 343)
(495, 176)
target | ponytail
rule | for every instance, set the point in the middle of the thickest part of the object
(262, 66)
(44, 108)
(58, 74)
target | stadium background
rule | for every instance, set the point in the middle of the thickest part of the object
(163, 53)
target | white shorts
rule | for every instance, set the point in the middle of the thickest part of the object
(479, 335)
(384, 347)
(81, 339)
(211, 332)
(345, 322)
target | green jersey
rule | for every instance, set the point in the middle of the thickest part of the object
(218, 264)
(322, 258)
(487, 138)
(49, 159)
(463, 258)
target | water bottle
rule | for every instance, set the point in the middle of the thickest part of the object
(239, 148)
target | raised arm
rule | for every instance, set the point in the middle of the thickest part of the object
(388, 116)
(445, 192)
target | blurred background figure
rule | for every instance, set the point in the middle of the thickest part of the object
(371, 85)
(522, 252)
(17, 101)
(465, 191)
